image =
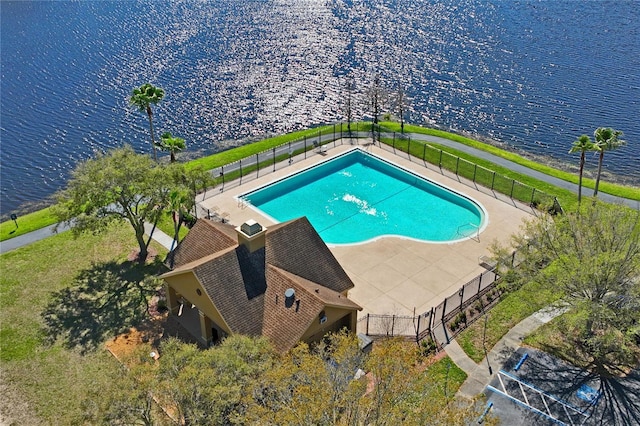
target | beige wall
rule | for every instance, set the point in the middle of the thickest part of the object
(187, 285)
(334, 315)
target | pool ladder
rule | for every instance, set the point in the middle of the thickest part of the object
(242, 203)
(477, 233)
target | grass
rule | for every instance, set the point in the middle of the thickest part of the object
(632, 193)
(454, 377)
(512, 309)
(27, 223)
(229, 156)
(501, 181)
(51, 379)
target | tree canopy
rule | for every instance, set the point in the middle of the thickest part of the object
(172, 144)
(606, 139)
(582, 145)
(244, 381)
(593, 257)
(118, 185)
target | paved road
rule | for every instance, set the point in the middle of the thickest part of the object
(23, 240)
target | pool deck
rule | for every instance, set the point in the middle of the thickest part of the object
(395, 275)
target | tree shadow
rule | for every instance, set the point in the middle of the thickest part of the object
(104, 300)
(616, 400)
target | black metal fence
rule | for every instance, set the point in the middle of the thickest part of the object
(432, 323)
(249, 168)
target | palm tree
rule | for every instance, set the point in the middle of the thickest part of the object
(142, 97)
(171, 144)
(180, 202)
(582, 145)
(607, 139)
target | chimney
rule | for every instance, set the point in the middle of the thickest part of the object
(251, 235)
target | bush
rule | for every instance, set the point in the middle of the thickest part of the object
(427, 346)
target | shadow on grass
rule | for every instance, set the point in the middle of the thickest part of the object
(104, 300)
(616, 401)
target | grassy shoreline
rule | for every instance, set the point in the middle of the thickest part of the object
(42, 218)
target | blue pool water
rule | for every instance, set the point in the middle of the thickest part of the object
(357, 197)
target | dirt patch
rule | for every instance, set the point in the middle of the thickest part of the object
(151, 333)
(134, 255)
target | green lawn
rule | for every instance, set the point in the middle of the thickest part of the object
(27, 223)
(632, 193)
(512, 309)
(52, 379)
(454, 377)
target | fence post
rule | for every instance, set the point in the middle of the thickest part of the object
(480, 283)
(334, 135)
(533, 193)
(493, 179)
(305, 147)
(240, 162)
(424, 151)
(394, 142)
(444, 309)
(431, 314)
(513, 183)
(222, 176)
(274, 158)
(418, 329)
(393, 323)
(367, 332)
(475, 168)
(409, 148)
(257, 166)
(461, 294)
(457, 164)
(440, 161)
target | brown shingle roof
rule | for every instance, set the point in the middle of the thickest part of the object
(236, 283)
(243, 286)
(285, 323)
(204, 238)
(296, 247)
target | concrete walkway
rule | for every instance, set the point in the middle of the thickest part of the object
(478, 375)
(159, 236)
(40, 234)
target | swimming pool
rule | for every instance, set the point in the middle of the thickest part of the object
(357, 197)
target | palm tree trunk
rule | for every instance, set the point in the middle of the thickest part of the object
(153, 140)
(595, 191)
(580, 177)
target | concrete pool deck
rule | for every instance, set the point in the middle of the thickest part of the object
(394, 275)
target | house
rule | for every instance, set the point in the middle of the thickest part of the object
(282, 282)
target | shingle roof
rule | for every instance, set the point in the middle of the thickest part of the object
(243, 286)
(236, 283)
(296, 247)
(204, 238)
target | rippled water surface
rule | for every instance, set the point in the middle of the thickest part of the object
(534, 75)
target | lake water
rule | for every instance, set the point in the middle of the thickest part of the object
(532, 74)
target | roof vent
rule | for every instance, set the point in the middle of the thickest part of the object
(251, 227)
(289, 297)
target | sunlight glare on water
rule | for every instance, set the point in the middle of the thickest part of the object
(530, 74)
